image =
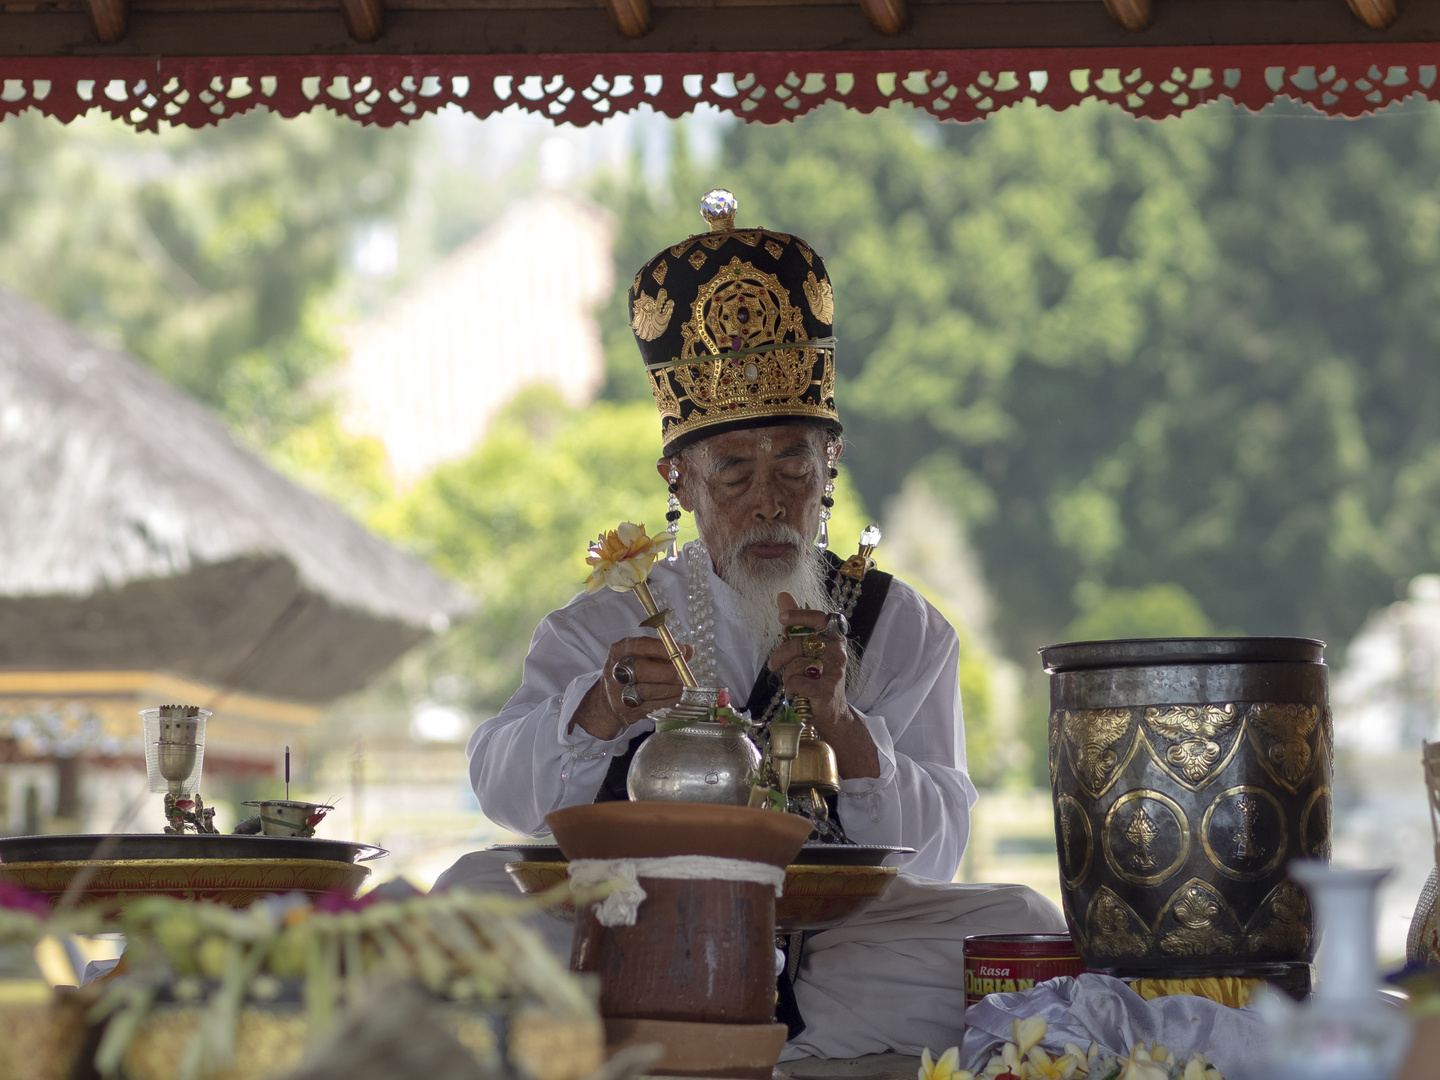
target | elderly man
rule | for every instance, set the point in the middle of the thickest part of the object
(735, 329)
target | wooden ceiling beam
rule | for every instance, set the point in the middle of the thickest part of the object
(1376, 14)
(107, 17)
(888, 17)
(1134, 15)
(839, 24)
(632, 18)
(365, 19)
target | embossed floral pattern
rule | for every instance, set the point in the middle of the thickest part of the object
(1193, 734)
(1093, 736)
(1282, 736)
(1197, 911)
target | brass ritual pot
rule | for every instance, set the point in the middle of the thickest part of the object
(1187, 773)
(691, 759)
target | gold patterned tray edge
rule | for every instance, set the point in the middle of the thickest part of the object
(117, 864)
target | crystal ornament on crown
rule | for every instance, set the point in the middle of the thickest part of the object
(736, 330)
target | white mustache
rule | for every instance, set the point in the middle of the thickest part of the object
(772, 532)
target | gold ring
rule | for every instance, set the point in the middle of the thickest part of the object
(814, 647)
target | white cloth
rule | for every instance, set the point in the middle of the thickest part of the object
(893, 977)
(525, 762)
(621, 907)
(1098, 1007)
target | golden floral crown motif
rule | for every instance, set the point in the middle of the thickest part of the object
(736, 330)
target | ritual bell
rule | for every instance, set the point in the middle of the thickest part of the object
(815, 765)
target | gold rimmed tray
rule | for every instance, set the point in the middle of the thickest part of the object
(237, 882)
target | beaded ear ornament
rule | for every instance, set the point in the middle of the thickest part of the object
(672, 510)
(827, 500)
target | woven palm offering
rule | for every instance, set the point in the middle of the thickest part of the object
(1187, 773)
(41, 1031)
(212, 993)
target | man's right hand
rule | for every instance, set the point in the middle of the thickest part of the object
(604, 713)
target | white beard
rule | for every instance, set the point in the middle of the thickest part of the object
(756, 583)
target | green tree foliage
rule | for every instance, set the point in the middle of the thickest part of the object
(1198, 354)
(1154, 611)
(212, 255)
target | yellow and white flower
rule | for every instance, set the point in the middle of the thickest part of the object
(622, 558)
(947, 1068)
(1041, 1066)
(1027, 1033)
(1199, 1068)
(1143, 1065)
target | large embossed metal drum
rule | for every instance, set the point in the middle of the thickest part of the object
(1187, 773)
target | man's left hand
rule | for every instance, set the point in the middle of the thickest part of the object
(822, 680)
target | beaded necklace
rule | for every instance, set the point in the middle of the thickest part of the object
(701, 610)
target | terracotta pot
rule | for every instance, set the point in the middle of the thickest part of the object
(699, 950)
(645, 830)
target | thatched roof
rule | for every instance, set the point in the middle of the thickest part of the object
(136, 533)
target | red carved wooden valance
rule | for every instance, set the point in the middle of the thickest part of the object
(1338, 80)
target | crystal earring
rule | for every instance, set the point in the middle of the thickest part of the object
(672, 512)
(827, 500)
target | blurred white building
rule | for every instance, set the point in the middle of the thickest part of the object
(1389, 690)
(1386, 699)
(512, 308)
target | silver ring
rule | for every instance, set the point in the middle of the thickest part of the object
(623, 670)
(631, 695)
(836, 625)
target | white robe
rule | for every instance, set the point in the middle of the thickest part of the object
(525, 763)
(891, 978)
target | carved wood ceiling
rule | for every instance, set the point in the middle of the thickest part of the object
(36, 28)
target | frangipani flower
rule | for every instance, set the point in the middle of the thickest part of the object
(1027, 1033)
(1007, 1061)
(1082, 1057)
(1041, 1066)
(947, 1068)
(622, 558)
(1140, 1065)
(1199, 1068)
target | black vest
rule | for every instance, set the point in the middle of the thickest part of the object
(873, 591)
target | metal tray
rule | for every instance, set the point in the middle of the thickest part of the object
(810, 854)
(123, 846)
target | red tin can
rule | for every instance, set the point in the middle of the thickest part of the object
(1000, 963)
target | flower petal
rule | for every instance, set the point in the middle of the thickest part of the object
(1028, 1032)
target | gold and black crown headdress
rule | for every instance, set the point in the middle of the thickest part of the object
(736, 330)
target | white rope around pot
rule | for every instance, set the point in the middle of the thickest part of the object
(623, 904)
